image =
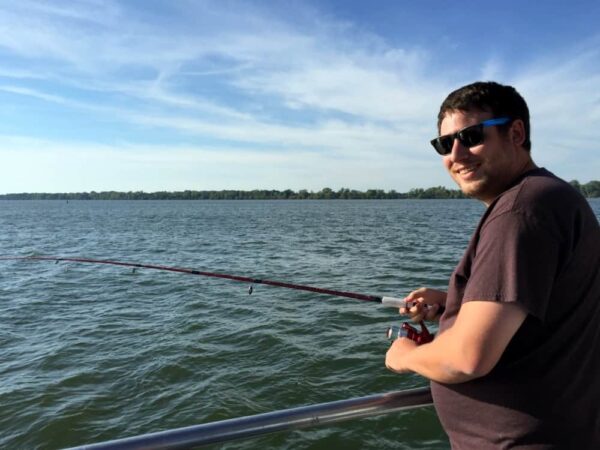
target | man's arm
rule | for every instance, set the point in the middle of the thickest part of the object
(468, 350)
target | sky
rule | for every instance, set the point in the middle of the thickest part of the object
(153, 95)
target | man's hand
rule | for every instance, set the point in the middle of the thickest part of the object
(423, 304)
(394, 356)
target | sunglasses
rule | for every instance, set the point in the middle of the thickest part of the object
(469, 136)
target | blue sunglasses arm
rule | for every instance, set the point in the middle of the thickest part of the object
(498, 121)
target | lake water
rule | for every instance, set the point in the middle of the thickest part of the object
(90, 352)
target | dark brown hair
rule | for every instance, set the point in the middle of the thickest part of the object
(500, 100)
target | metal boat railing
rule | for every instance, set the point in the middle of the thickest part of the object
(288, 419)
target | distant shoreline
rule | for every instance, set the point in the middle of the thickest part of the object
(590, 190)
(257, 194)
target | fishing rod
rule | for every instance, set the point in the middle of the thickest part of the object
(405, 330)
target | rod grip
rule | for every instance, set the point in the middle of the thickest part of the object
(393, 302)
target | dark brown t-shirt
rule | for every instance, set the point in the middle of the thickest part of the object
(537, 245)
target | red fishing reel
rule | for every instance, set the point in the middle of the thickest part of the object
(408, 331)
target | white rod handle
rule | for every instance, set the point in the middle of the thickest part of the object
(393, 302)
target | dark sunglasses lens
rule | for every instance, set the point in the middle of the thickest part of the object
(443, 144)
(471, 136)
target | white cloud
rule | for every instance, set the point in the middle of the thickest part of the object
(564, 100)
(252, 88)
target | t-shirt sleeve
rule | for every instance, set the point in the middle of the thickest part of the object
(516, 260)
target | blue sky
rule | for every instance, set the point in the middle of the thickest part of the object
(173, 95)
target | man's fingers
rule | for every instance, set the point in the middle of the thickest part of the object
(415, 309)
(414, 295)
(432, 311)
(409, 307)
(418, 317)
(418, 310)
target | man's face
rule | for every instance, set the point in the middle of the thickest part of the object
(486, 170)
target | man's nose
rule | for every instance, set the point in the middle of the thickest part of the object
(459, 151)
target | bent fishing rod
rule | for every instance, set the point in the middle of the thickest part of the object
(405, 330)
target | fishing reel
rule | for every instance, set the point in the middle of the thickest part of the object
(408, 331)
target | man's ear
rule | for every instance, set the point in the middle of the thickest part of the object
(517, 132)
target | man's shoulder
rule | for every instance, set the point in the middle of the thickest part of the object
(538, 191)
(538, 200)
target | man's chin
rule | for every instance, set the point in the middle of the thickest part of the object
(478, 191)
(471, 189)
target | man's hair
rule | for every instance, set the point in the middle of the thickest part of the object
(489, 96)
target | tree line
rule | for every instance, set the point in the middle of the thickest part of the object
(256, 194)
(591, 189)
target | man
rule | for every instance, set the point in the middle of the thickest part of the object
(516, 363)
